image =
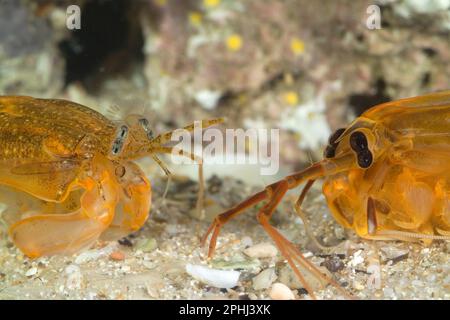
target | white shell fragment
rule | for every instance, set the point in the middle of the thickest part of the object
(31, 272)
(280, 291)
(261, 250)
(208, 99)
(214, 277)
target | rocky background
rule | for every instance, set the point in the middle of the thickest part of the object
(303, 66)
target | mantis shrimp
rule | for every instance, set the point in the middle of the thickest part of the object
(387, 177)
(73, 168)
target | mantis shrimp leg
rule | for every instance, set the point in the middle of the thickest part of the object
(135, 205)
(48, 234)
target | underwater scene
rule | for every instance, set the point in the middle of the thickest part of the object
(224, 150)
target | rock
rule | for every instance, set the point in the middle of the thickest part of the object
(264, 279)
(280, 291)
(213, 277)
(261, 250)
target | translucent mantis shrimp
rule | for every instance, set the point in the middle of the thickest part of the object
(73, 170)
(387, 177)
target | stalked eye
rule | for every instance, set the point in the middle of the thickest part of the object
(146, 126)
(144, 123)
(123, 132)
(365, 159)
(330, 150)
(118, 142)
(358, 142)
(336, 135)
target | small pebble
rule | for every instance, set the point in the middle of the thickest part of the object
(31, 272)
(261, 250)
(117, 256)
(280, 291)
(264, 279)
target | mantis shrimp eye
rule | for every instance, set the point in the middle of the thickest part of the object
(330, 150)
(358, 142)
(146, 126)
(365, 159)
(121, 135)
(335, 136)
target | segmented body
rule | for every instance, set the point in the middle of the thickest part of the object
(37, 135)
(69, 173)
(408, 182)
(387, 176)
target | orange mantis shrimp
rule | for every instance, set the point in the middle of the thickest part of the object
(73, 170)
(387, 177)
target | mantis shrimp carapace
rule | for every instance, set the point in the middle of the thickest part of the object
(387, 177)
(74, 172)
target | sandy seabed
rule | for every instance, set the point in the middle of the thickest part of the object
(151, 264)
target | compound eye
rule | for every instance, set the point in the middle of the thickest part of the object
(118, 142)
(144, 123)
(365, 159)
(330, 150)
(336, 135)
(358, 142)
(146, 126)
